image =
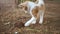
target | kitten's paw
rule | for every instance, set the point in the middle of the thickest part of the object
(40, 22)
(34, 22)
(26, 24)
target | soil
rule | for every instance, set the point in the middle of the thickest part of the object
(12, 21)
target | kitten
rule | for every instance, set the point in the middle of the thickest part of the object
(36, 10)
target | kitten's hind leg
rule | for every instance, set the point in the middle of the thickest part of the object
(41, 17)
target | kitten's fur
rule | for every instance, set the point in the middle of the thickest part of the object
(36, 10)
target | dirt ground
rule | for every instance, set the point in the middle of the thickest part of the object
(12, 21)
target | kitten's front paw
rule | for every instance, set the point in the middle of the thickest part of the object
(34, 22)
(26, 24)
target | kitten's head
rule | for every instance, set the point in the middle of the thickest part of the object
(23, 6)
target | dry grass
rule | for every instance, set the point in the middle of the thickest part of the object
(13, 21)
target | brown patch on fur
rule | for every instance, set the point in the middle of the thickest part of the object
(24, 8)
(42, 7)
(35, 11)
